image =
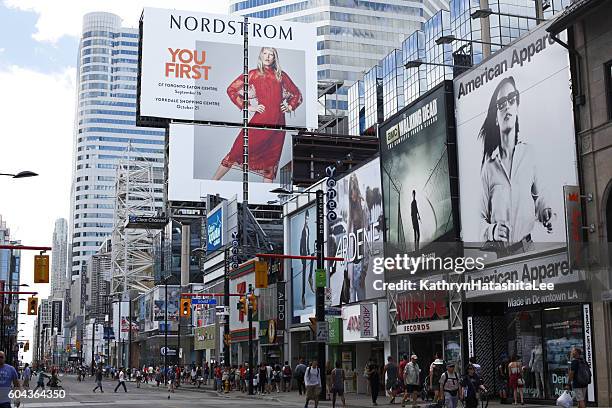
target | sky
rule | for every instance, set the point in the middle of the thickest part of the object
(38, 53)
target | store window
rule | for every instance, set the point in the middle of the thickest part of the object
(563, 331)
(525, 342)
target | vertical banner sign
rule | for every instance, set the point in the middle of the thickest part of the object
(281, 297)
(573, 226)
(470, 336)
(366, 320)
(41, 268)
(588, 349)
(56, 315)
(320, 224)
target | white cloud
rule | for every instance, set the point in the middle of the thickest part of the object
(37, 135)
(64, 17)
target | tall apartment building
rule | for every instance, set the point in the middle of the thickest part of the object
(105, 131)
(59, 258)
(352, 35)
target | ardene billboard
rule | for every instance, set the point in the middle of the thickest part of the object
(191, 69)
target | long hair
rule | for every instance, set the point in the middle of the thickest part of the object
(489, 132)
(355, 206)
(278, 72)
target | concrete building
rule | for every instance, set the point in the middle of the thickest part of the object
(59, 258)
(352, 36)
(589, 42)
(104, 128)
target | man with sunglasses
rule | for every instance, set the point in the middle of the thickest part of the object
(8, 377)
(512, 197)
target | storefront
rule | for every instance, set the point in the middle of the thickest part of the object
(204, 343)
(420, 325)
(360, 341)
(270, 343)
(539, 329)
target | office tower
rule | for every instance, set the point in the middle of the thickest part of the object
(59, 254)
(105, 131)
(10, 268)
(352, 35)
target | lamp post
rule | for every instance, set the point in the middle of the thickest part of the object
(320, 290)
(21, 174)
(486, 12)
(449, 39)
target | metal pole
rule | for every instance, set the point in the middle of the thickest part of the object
(320, 293)
(129, 346)
(120, 349)
(251, 365)
(245, 131)
(165, 329)
(178, 338)
(93, 340)
(226, 302)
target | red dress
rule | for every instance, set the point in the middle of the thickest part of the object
(265, 145)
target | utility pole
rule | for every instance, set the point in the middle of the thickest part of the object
(320, 293)
(226, 302)
(93, 340)
(250, 318)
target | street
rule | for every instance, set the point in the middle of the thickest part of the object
(79, 394)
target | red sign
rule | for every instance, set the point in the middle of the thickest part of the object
(409, 309)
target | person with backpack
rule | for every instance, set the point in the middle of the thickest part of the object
(436, 369)
(579, 377)
(449, 386)
(412, 376)
(312, 379)
(286, 377)
(471, 386)
(337, 381)
(298, 373)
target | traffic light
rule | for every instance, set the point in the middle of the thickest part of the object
(185, 307)
(242, 304)
(313, 324)
(41, 269)
(26, 347)
(33, 306)
(253, 302)
(261, 274)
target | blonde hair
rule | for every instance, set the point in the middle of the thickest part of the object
(278, 72)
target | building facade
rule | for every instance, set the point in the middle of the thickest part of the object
(10, 269)
(59, 258)
(104, 129)
(352, 36)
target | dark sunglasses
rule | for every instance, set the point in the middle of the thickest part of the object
(511, 99)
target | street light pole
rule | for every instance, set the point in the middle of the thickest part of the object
(250, 318)
(320, 293)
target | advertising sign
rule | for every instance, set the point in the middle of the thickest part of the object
(366, 319)
(281, 306)
(356, 234)
(214, 229)
(192, 69)
(516, 147)
(208, 160)
(302, 233)
(576, 250)
(352, 321)
(56, 315)
(415, 174)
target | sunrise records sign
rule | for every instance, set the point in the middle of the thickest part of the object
(355, 234)
(415, 167)
(516, 147)
(191, 68)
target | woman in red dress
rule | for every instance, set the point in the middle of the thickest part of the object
(272, 94)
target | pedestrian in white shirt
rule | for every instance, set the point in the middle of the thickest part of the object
(312, 380)
(121, 381)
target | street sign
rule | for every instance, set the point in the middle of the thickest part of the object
(320, 278)
(171, 352)
(203, 301)
(333, 311)
(41, 268)
(328, 297)
(322, 331)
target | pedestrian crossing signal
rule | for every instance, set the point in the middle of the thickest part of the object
(26, 347)
(261, 274)
(33, 306)
(185, 307)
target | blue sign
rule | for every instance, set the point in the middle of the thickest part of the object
(203, 301)
(214, 229)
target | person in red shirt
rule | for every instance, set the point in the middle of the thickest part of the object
(402, 367)
(272, 95)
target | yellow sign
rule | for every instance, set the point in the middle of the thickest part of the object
(41, 268)
(261, 274)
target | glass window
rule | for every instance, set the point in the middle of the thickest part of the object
(562, 331)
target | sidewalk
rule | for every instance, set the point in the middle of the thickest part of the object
(294, 399)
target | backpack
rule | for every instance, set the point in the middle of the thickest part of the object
(582, 376)
(446, 379)
(287, 371)
(438, 370)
